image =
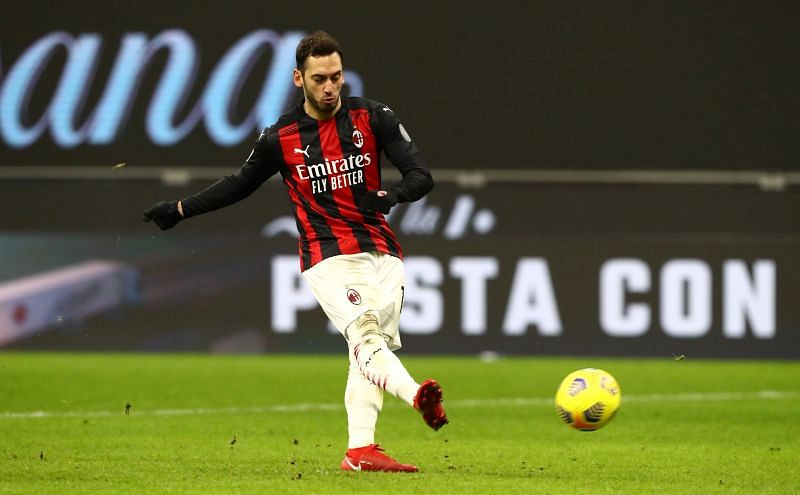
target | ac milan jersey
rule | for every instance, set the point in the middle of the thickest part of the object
(327, 166)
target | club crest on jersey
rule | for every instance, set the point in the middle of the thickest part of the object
(358, 138)
(353, 296)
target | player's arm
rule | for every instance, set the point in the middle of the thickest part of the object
(405, 155)
(259, 166)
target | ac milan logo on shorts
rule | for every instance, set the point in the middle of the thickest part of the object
(358, 138)
(354, 296)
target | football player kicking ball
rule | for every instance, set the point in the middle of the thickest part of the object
(328, 151)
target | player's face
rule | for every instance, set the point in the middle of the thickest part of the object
(321, 81)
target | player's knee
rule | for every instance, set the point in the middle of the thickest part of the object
(367, 329)
(368, 323)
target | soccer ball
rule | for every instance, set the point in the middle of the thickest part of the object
(587, 399)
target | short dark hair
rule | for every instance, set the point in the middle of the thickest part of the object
(316, 44)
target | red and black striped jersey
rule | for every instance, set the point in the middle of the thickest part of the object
(327, 166)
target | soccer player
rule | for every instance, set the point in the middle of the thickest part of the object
(328, 151)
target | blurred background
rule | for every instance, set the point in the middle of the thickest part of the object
(612, 179)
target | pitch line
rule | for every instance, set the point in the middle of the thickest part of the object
(462, 403)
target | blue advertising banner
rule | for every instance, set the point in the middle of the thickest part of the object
(660, 85)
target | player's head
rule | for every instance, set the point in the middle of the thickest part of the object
(319, 73)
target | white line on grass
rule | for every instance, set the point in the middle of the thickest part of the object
(463, 403)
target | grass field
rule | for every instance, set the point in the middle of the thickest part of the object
(687, 426)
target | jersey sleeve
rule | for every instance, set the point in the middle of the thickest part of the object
(404, 154)
(262, 164)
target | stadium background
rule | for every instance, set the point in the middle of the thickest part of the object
(615, 179)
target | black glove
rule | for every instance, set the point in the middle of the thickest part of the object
(381, 201)
(164, 213)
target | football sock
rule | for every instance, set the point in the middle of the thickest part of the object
(377, 363)
(363, 401)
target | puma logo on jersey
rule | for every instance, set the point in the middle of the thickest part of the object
(303, 151)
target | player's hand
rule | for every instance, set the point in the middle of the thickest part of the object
(165, 214)
(379, 200)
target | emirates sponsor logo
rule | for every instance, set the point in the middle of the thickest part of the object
(335, 174)
(333, 167)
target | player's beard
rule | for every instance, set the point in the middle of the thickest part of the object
(320, 106)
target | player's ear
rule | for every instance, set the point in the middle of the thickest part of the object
(298, 78)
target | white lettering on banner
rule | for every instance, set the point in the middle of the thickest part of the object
(420, 218)
(746, 299)
(618, 277)
(473, 272)
(290, 294)
(423, 305)
(464, 215)
(685, 298)
(532, 301)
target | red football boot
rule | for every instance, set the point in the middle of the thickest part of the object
(428, 401)
(372, 458)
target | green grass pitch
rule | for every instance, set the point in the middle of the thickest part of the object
(276, 424)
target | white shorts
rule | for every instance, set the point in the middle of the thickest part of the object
(348, 285)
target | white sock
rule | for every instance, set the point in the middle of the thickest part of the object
(363, 402)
